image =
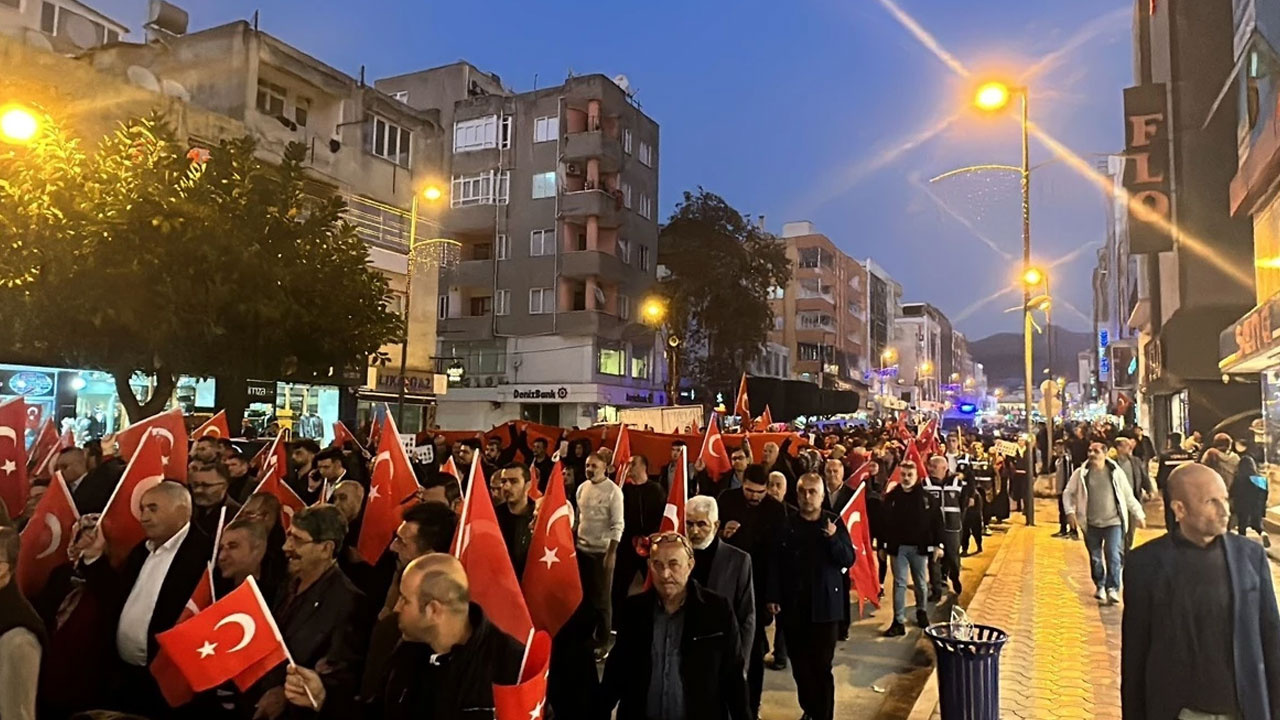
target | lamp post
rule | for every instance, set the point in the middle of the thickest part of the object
(18, 124)
(1031, 278)
(431, 194)
(654, 312)
(888, 358)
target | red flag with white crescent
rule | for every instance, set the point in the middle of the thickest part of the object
(271, 480)
(552, 586)
(215, 426)
(864, 573)
(121, 523)
(201, 597)
(478, 545)
(392, 487)
(169, 428)
(46, 537)
(526, 700)
(622, 456)
(673, 513)
(14, 486)
(713, 453)
(46, 444)
(913, 454)
(341, 435)
(742, 405)
(858, 476)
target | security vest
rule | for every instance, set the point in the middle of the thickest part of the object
(948, 492)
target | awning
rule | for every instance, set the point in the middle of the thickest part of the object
(1252, 343)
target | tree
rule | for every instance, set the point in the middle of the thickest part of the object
(148, 256)
(722, 268)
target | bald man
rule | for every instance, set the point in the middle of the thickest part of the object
(1201, 633)
(449, 656)
(150, 588)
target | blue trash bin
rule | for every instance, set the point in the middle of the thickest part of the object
(968, 672)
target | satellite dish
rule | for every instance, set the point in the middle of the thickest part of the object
(621, 81)
(173, 88)
(143, 78)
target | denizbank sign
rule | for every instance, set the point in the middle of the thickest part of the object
(559, 393)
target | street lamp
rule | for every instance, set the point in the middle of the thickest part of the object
(18, 125)
(654, 312)
(1031, 277)
(431, 193)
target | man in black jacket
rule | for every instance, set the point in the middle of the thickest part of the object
(731, 480)
(90, 488)
(677, 649)
(914, 522)
(208, 483)
(1201, 631)
(643, 502)
(816, 550)
(447, 661)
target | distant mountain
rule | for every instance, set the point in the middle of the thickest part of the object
(1001, 356)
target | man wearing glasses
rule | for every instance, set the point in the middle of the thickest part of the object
(731, 480)
(1099, 499)
(208, 483)
(677, 652)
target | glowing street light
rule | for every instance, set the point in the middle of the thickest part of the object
(1032, 277)
(18, 125)
(992, 96)
(654, 311)
(432, 193)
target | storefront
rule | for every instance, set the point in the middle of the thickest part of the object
(562, 405)
(1252, 346)
(307, 410)
(383, 386)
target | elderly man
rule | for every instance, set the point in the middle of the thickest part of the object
(90, 489)
(722, 568)
(1201, 632)
(677, 654)
(208, 483)
(1099, 499)
(447, 662)
(22, 637)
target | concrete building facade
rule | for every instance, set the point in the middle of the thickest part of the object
(926, 353)
(64, 26)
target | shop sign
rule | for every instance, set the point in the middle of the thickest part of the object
(1146, 171)
(260, 391)
(548, 393)
(1250, 335)
(639, 397)
(29, 383)
(1153, 354)
(415, 383)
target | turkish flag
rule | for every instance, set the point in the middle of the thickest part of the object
(42, 450)
(229, 637)
(341, 435)
(927, 439)
(449, 467)
(272, 481)
(215, 426)
(525, 700)
(201, 597)
(121, 524)
(46, 537)
(622, 456)
(552, 586)
(170, 430)
(742, 406)
(479, 546)
(858, 476)
(673, 513)
(14, 486)
(392, 486)
(713, 453)
(864, 573)
(766, 418)
(913, 454)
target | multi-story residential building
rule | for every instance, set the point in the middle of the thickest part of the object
(65, 26)
(234, 80)
(821, 316)
(553, 196)
(884, 303)
(925, 350)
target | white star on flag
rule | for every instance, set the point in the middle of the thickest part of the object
(373, 493)
(9, 467)
(207, 649)
(164, 460)
(855, 518)
(536, 713)
(549, 557)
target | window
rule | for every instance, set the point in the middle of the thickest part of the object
(390, 141)
(482, 251)
(624, 250)
(808, 352)
(542, 242)
(642, 256)
(544, 185)
(626, 140)
(502, 302)
(776, 293)
(301, 110)
(779, 322)
(503, 245)
(487, 188)
(624, 307)
(646, 207)
(626, 195)
(504, 139)
(395, 303)
(646, 154)
(477, 134)
(546, 129)
(639, 364)
(48, 18)
(542, 301)
(401, 95)
(69, 24)
(442, 307)
(613, 361)
(481, 306)
(270, 98)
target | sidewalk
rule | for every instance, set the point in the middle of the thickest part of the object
(1063, 655)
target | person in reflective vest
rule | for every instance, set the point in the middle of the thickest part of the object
(952, 495)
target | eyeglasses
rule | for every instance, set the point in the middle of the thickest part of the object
(657, 539)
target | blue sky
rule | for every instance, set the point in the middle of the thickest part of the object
(781, 107)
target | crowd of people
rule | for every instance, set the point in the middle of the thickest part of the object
(671, 624)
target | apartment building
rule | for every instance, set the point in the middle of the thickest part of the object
(553, 197)
(64, 26)
(820, 317)
(926, 353)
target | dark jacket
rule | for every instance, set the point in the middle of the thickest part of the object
(760, 535)
(913, 518)
(731, 578)
(205, 520)
(711, 670)
(825, 587)
(456, 686)
(95, 489)
(1150, 636)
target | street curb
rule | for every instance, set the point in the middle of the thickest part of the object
(927, 702)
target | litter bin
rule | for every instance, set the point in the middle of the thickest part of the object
(968, 671)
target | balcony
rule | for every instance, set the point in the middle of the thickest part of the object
(590, 322)
(579, 147)
(813, 302)
(479, 219)
(471, 273)
(593, 263)
(606, 207)
(476, 327)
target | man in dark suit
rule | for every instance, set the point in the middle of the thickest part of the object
(1201, 632)
(816, 549)
(208, 483)
(150, 590)
(722, 568)
(677, 651)
(731, 480)
(90, 489)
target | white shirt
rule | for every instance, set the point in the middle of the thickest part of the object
(599, 515)
(135, 617)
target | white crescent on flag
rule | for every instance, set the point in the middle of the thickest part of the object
(135, 499)
(670, 512)
(55, 535)
(247, 626)
(6, 431)
(211, 430)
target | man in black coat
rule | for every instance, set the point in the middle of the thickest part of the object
(677, 648)
(149, 590)
(1201, 631)
(90, 489)
(816, 550)
(730, 480)
(722, 568)
(208, 483)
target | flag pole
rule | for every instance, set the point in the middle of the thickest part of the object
(528, 643)
(275, 630)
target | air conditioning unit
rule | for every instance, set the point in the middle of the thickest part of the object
(503, 380)
(490, 381)
(572, 169)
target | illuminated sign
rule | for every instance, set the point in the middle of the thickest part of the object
(1146, 168)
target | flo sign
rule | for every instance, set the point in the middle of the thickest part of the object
(1147, 170)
